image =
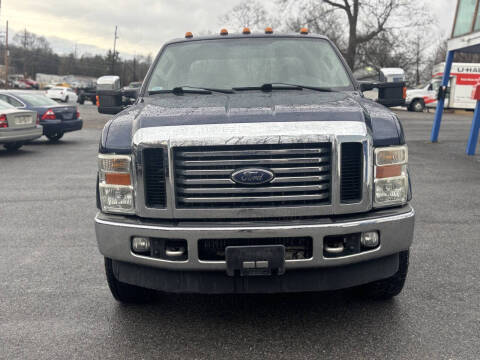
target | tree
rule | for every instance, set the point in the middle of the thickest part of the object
(318, 18)
(250, 14)
(369, 18)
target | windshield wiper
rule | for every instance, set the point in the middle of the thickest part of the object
(186, 89)
(282, 86)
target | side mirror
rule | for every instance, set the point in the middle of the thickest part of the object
(366, 86)
(392, 94)
(111, 98)
(389, 94)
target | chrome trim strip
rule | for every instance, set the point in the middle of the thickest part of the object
(291, 170)
(252, 199)
(248, 190)
(218, 153)
(290, 161)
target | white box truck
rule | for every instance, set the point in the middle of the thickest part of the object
(463, 78)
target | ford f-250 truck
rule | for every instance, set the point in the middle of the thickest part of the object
(252, 163)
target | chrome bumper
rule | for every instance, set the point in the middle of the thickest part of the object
(396, 226)
(20, 135)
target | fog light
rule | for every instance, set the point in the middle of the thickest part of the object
(141, 244)
(370, 239)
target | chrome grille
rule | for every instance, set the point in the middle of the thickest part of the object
(302, 175)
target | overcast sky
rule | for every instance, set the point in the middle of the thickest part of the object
(143, 24)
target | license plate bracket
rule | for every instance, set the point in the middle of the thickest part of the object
(258, 260)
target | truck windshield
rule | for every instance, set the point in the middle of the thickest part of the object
(250, 62)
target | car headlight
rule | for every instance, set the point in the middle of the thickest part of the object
(115, 184)
(391, 176)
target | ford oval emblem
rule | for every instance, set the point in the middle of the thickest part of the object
(252, 176)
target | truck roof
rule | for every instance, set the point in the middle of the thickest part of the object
(246, 36)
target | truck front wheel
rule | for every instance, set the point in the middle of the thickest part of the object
(417, 105)
(387, 288)
(125, 293)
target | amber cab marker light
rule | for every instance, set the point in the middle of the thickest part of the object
(246, 31)
(117, 179)
(98, 101)
(224, 32)
(404, 92)
(304, 31)
(188, 35)
(388, 171)
(268, 30)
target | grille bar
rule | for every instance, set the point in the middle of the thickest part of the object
(278, 180)
(247, 190)
(302, 175)
(242, 153)
(253, 199)
(281, 161)
(228, 172)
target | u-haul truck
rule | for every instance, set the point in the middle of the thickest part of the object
(463, 77)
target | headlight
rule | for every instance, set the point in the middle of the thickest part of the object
(115, 184)
(391, 177)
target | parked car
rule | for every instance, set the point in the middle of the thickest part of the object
(17, 126)
(252, 163)
(55, 118)
(64, 94)
(32, 83)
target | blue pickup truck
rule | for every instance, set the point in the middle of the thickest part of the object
(252, 163)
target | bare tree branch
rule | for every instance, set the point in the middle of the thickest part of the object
(340, 6)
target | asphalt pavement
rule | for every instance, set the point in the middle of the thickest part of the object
(55, 303)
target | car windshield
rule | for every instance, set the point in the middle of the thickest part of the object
(6, 106)
(37, 100)
(235, 63)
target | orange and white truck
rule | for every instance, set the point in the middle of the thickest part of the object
(463, 78)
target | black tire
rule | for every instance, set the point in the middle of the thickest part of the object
(417, 105)
(55, 137)
(81, 100)
(388, 288)
(13, 146)
(125, 293)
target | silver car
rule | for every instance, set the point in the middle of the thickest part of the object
(17, 126)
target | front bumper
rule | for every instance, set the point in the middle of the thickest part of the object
(59, 126)
(20, 135)
(318, 273)
(114, 234)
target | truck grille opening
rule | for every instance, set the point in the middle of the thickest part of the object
(296, 248)
(302, 175)
(351, 172)
(154, 177)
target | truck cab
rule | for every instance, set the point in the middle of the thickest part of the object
(252, 163)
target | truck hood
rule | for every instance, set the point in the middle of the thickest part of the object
(252, 107)
(419, 92)
(247, 107)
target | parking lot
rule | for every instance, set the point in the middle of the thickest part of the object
(55, 303)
